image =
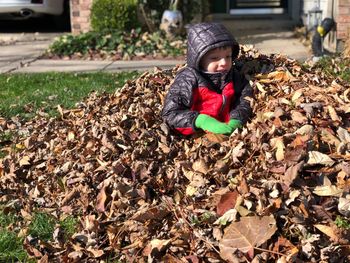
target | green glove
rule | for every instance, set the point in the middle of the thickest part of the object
(207, 123)
(234, 124)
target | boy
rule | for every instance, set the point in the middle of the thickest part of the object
(209, 93)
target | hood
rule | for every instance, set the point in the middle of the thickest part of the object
(206, 36)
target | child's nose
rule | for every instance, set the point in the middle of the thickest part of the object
(223, 61)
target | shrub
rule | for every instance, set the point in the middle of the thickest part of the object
(109, 15)
(117, 45)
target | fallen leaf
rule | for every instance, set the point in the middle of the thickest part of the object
(248, 233)
(101, 199)
(333, 114)
(316, 157)
(297, 94)
(200, 166)
(229, 216)
(344, 135)
(25, 160)
(292, 173)
(227, 201)
(97, 253)
(344, 205)
(298, 117)
(327, 190)
(327, 230)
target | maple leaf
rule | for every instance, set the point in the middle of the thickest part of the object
(248, 233)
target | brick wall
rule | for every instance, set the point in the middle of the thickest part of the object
(80, 15)
(343, 19)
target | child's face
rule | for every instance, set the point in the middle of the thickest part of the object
(217, 60)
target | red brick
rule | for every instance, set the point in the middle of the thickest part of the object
(85, 13)
(344, 11)
(86, 5)
(83, 20)
(344, 2)
(341, 35)
(343, 19)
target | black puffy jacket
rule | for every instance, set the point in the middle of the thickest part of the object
(219, 95)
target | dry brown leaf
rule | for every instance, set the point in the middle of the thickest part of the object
(328, 137)
(279, 145)
(25, 160)
(200, 166)
(292, 173)
(344, 135)
(316, 157)
(327, 190)
(151, 213)
(327, 230)
(97, 253)
(227, 201)
(298, 117)
(248, 233)
(333, 114)
(101, 200)
(121, 136)
(159, 244)
(344, 205)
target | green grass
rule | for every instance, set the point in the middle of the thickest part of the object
(342, 222)
(11, 249)
(6, 219)
(24, 94)
(69, 226)
(42, 226)
(335, 67)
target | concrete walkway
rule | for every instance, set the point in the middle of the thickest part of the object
(21, 49)
(20, 52)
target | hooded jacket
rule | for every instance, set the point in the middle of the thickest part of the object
(220, 95)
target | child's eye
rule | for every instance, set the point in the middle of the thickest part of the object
(214, 58)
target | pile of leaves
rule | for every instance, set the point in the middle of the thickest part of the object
(116, 45)
(275, 191)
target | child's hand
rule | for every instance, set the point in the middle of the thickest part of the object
(234, 124)
(207, 123)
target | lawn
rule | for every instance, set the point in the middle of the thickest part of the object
(24, 95)
(120, 187)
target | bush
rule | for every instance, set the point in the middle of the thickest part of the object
(109, 15)
(117, 45)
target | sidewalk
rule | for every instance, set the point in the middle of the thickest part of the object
(47, 65)
(19, 53)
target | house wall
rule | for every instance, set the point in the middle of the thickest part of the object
(343, 19)
(339, 10)
(80, 15)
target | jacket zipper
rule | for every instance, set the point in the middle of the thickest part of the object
(223, 104)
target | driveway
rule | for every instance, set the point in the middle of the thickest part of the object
(23, 41)
(19, 49)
